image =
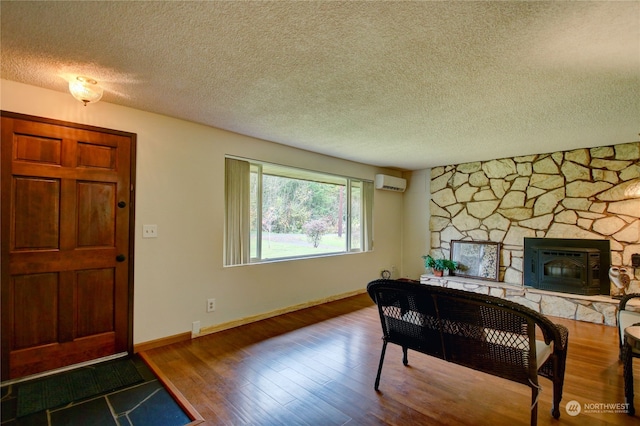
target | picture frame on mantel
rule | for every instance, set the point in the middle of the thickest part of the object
(476, 259)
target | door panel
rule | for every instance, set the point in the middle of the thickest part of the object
(95, 290)
(39, 325)
(35, 213)
(96, 214)
(66, 272)
(38, 150)
(102, 157)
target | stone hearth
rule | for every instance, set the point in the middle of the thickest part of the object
(595, 309)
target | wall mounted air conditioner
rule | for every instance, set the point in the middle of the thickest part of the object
(391, 183)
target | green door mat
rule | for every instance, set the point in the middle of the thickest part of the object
(74, 385)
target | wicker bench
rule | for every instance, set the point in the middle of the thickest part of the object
(482, 332)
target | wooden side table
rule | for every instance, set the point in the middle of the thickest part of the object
(631, 342)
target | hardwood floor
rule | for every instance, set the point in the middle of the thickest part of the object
(317, 366)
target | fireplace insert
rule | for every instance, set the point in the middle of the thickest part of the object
(567, 265)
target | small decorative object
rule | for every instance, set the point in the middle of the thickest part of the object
(477, 259)
(620, 279)
(385, 274)
(439, 265)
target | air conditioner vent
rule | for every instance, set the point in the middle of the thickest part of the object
(390, 183)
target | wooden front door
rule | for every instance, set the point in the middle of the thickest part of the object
(66, 246)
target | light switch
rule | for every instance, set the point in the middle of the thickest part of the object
(149, 231)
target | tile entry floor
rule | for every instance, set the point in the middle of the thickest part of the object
(144, 404)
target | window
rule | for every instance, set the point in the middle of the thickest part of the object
(277, 212)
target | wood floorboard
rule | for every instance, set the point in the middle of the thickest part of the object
(317, 367)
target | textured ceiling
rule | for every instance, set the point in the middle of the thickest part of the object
(408, 85)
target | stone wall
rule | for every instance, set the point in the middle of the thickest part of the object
(585, 193)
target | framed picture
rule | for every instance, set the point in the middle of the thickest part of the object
(476, 259)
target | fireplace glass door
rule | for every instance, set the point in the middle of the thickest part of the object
(570, 270)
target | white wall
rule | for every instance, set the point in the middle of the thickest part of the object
(416, 234)
(180, 187)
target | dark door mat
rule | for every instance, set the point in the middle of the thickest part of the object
(74, 385)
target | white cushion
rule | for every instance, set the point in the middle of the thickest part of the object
(414, 317)
(627, 319)
(543, 351)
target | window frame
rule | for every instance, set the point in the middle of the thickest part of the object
(258, 168)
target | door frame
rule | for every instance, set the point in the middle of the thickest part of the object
(5, 224)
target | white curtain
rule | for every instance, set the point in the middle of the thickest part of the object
(237, 212)
(367, 215)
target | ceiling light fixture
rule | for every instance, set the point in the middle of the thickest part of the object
(86, 90)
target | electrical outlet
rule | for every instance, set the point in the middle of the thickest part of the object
(195, 327)
(211, 305)
(149, 231)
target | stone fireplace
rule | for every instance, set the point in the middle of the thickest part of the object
(581, 195)
(584, 194)
(576, 266)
